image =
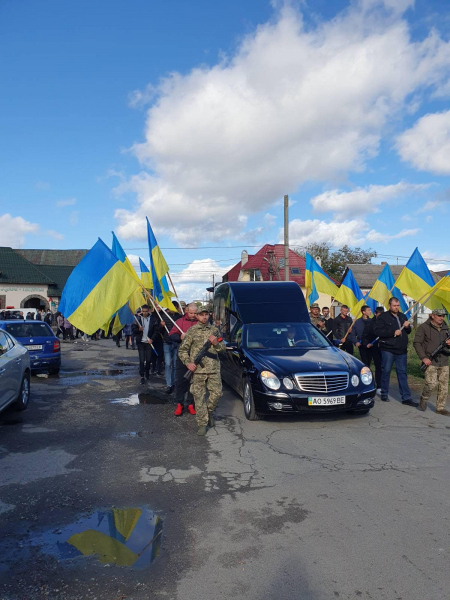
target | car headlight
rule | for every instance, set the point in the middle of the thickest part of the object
(288, 383)
(270, 380)
(366, 376)
(355, 380)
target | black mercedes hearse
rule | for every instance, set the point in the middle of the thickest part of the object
(278, 361)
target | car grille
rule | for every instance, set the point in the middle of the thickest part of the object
(322, 383)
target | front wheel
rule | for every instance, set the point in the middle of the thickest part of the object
(249, 404)
(24, 395)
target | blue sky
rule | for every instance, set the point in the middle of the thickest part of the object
(201, 115)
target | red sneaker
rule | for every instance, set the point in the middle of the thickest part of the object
(179, 410)
(191, 409)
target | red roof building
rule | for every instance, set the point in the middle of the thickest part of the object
(268, 265)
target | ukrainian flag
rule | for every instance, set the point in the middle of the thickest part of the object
(441, 291)
(349, 293)
(372, 304)
(316, 280)
(156, 256)
(416, 281)
(384, 288)
(136, 299)
(124, 316)
(97, 287)
(146, 276)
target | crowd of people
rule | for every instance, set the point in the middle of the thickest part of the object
(383, 340)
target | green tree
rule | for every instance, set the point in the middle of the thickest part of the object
(334, 262)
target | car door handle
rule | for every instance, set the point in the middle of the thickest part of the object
(2, 370)
(18, 360)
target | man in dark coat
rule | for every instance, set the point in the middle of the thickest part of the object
(141, 329)
(392, 328)
(341, 324)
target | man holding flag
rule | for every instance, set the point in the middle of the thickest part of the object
(393, 328)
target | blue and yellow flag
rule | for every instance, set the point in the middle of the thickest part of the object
(316, 280)
(97, 287)
(146, 276)
(372, 304)
(156, 256)
(136, 299)
(350, 294)
(416, 281)
(384, 288)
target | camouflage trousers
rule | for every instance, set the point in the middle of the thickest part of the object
(203, 406)
(435, 376)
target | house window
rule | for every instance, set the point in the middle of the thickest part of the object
(255, 275)
(295, 271)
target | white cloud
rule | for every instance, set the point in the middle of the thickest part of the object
(362, 201)
(292, 105)
(336, 233)
(52, 233)
(269, 220)
(428, 218)
(191, 282)
(376, 236)
(74, 216)
(14, 229)
(427, 144)
(68, 202)
(433, 261)
(42, 185)
(430, 205)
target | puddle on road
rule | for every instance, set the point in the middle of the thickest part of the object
(127, 537)
(133, 434)
(142, 398)
(104, 372)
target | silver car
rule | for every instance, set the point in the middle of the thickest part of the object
(14, 373)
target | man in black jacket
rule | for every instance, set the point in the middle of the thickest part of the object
(142, 330)
(370, 343)
(393, 328)
(341, 324)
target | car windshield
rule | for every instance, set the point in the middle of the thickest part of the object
(25, 330)
(284, 335)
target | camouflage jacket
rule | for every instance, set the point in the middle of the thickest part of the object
(319, 321)
(193, 343)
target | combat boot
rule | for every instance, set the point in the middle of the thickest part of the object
(423, 405)
(211, 420)
(201, 430)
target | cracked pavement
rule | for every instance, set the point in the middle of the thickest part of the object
(313, 508)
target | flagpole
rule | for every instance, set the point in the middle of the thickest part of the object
(415, 304)
(176, 295)
(135, 318)
(154, 306)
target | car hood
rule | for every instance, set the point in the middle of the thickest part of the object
(297, 360)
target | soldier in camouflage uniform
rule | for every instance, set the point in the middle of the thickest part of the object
(429, 336)
(316, 318)
(206, 375)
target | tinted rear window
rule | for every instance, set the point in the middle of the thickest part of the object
(21, 330)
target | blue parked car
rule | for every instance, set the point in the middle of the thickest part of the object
(42, 344)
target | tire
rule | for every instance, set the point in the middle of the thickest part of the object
(24, 395)
(249, 404)
(54, 371)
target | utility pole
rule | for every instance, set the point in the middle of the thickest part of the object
(286, 238)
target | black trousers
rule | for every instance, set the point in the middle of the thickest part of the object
(374, 354)
(145, 354)
(156, 361)
(182, 385)
(347, 346)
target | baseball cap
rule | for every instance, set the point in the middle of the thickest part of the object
(438, 311)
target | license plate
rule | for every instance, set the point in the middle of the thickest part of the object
(34, 347)
(325, 400)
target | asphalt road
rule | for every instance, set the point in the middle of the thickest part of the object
(310, 508)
